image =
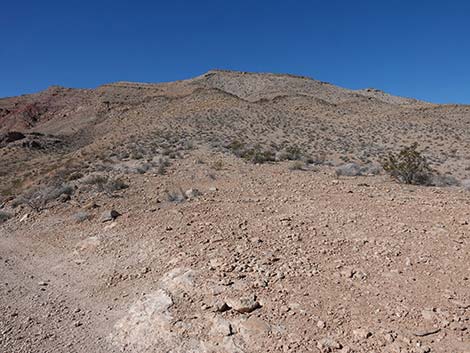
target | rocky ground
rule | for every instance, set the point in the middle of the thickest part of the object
(131, 222)
(262, 259)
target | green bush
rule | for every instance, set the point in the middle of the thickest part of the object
(258, 156)
(408, 166)
(293, 153)
(255, 154)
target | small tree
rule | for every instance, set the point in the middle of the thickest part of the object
(408, 166)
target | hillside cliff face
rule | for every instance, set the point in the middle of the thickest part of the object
(29, 111)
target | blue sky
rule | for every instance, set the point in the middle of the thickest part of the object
(411, 48)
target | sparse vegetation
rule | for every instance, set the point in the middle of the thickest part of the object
(297, 165)
(255, 154)
(114, 185)
(95, 179)
(293, 153)
(81, 216)
(236, 147)
(218, 165)
(354, 169)
(253, 226)
(443, 180)
(258, 156)
(408, 166)
(176, 195)
(4, 216)
(37, 198)
(466, 184)
(349, 169)
(104, 183)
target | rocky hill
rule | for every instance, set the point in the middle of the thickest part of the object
(232, 212)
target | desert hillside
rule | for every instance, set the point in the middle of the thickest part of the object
(232, 212)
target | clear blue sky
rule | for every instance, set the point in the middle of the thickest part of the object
(412, 48)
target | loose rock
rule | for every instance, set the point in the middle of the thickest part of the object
(244, 304)
(110, 215)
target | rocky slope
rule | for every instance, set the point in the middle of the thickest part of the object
(131, 219)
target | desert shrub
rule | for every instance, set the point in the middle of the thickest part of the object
(317, 159)
(75, 176)
(188, 145)
(94, 179)
(444, 180)
(143, 168)
(354, 169)
(136, 155)
(53, 192)
(81, 216)
(258, 156)
(162, 165)
(293, 153)
(19, 200)
(236, 147)
(38, 197)
(4, 216)
(349, 169)
(175, 195)
(408, 166)
(104, 184)
(255, 154)
(114, 185)
(297, 165)
(161, 169)
(466, 184)
(218, 165)
(371, 169)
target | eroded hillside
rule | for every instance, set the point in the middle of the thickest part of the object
(214, 215)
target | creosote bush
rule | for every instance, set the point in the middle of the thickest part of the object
(105, 184)
(258, 155)
(293, 153)
(408, 166)
(254, 154)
